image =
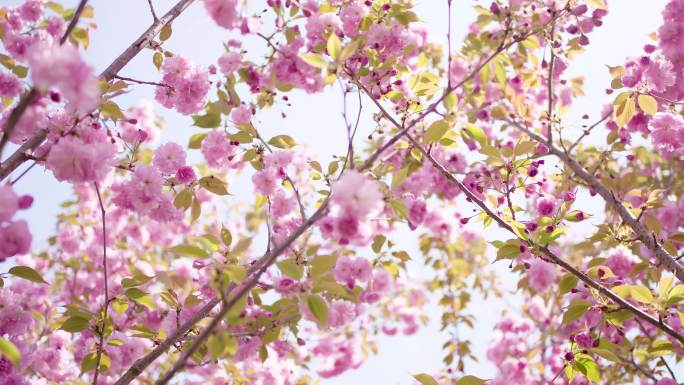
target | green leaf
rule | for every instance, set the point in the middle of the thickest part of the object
(567, 283)
(436, 131)
(425, 379)
(189, 251)
(195, 141)
(208, 120)
(318, 308)
(90, 362)
(641, 294)
(10, 351)
(226, 237)
(120, 306)
(470, 380)
(508, 251)
(282, 141)
(591, 367)
(183, 199)
(322, 264)
(140, 297)
(290, 268)
(28, 273)
(334, 45)
(648, 104)
(165, 33)
(74, 325)
(476, 133)
(348, 50)
(157, 60)
(313, 60)
(575, 311)
(111, 110)
(378, 241)
(606, 353)
(214, 185)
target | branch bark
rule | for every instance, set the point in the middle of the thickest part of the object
(22, 154)
(643, 234)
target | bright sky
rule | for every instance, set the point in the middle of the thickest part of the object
(317, 121)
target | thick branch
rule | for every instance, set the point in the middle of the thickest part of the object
(23, 152)
(647, 237)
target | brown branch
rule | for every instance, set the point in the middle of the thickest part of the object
(644, 235)
(254, 275)
(106, 285)
(21, 154)
(543, 249)
(550, 82)
(74, 21)
(14, 117)
(141, 81)
(154, 14)
(588, 131)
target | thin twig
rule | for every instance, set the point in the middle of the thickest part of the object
(645, 235)
(302, 211)
(588, 131)
(550, 82)
(100, 346)
(14, 117)
(154, 15)
(74, 21)
(141, 81)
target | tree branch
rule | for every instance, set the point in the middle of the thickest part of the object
(21, 154)
(74, 21)
(644, 235)
(106, 285)
(543, 249)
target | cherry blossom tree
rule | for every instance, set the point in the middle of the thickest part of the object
(158, 274)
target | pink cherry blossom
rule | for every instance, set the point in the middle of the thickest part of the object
(61, 66)
(224, 12)
(169, 157)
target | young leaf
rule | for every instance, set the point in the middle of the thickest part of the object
(425, 379)
(140, 297)
(334, 45)
(318, 308)
(282, 141)
(648, 104)
(436, 131)
(74, 324)
(28, 273)
(214, 185)
(470, 380)
(313, 60)
(165, 33)
(10, 351)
